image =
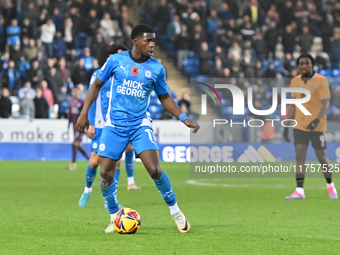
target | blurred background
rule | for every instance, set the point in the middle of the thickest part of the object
(49, 46)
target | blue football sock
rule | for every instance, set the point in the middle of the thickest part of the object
(163, 184)
(116, 177)
(110, 197)
(129, 163)
(90, 175)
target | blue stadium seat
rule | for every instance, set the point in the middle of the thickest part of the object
(80, 41)
(325, 72)
(336, 73)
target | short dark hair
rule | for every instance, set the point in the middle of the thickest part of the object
(113, 48)
(305, 55)
(140, 29)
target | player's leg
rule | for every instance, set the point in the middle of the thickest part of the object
(91, 172)
(110, 153)
(73, 165)
(320, 146)
(301, 141)
(117, 173)
(146, 147)
(129, 167)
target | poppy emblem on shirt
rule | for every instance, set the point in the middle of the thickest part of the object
(134, 71)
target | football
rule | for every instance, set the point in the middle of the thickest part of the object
(127, 221)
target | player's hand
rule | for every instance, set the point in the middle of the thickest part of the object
(90, 132)
(82, 123)
(285, 134)
(192, 124)
(311, 126)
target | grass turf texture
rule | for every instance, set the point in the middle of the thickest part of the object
(40, 215)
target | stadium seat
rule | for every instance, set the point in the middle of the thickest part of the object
(265, 65)
(336, 73)
(325, 72)
(80, 41)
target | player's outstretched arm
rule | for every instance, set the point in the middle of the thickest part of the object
(83, 121)
(290, 115)
(170, 105)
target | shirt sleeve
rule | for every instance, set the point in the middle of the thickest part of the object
(324, 90)
(92, 111)
(161, 87)
(107, 70)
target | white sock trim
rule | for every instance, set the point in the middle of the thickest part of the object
(87, 190)
(131, 180)
(112, 216)
(300, 190)
(330, 184)
(174, 209)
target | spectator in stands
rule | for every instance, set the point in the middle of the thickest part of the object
(258, 69)
(57, 18)
(59, 46)
(30, 51)
(235, 48)
(174, 28)
(9, 79)
(92, 23)
(64, 72)
(270, 73)
(234, 65)
(248, 64)
(162, 16)
(335, 51)
(217, 70)
(13, 33)
(253, 11)
(259, 45)
(247, 31)
(23, 66)
(107, 24)
(68, 31)
(211, 24)
(5, 104)
(314, 20)
(2, 34)
(204, 57)
(88, 59)
(48, 31)
(27, 109)
(305, 40)
(271, 37)
(288, 40)
(35, 74)
(320, 61)
(47, 93)
(184, 103)
(32, 13)
(220, 52)
(288, 65)
(27, 29)
(300, 12)
(79, 73)
(54, 82)
(15, 53)
(97, 48)
(182, 45)
(26, 88)
(41, 105)
(63, 99)
(224, 12)
(287, 13)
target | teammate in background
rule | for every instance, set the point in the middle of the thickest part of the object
(135, 72)
(96, 115)
(75, 106)
(310, 127)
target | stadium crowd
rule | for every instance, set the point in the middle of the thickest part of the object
(49, 46)
(250, 39)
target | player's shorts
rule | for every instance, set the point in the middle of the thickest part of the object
(96, 140)
(114, 141)
(318, 139)
(77, 135)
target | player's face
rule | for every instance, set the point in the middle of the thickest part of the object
(146, 44)
(305, 67)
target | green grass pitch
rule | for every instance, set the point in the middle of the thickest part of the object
(40, 215)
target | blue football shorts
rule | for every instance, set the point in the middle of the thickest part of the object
(114, 141)
(96, 140)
